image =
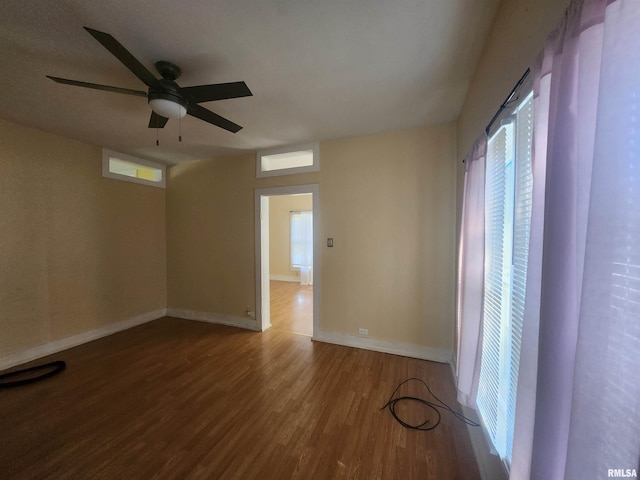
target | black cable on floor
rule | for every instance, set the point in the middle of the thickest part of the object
(51, 369)
(424, 426)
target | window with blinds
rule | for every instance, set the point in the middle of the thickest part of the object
(301, 239)
(508, 197)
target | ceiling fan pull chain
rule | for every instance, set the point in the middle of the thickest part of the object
(180, 129)
(157, 137)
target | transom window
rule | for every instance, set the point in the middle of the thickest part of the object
(287, 160)
(131, 169)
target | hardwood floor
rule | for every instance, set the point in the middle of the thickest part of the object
(178, 399)
(291, 307)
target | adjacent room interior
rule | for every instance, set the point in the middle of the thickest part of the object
(243, 300)
(291, 263)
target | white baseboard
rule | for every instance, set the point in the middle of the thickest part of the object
(221, 319)
(285, 278)
(402, 349)
(489, 464)
(56, 346)
(454, 369)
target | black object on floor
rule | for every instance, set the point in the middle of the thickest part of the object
(427, 424)
(30, 375)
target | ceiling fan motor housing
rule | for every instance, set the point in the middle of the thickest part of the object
(168, 70)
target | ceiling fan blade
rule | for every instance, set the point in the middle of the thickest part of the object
(212, 118)
(122, 54)
(157, 121)
(97, 86)
(217, 91)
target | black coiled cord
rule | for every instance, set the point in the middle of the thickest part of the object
(50, 369)
(426, 425)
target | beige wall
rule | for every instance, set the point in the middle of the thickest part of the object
(516, 37)
(210, 236)
(387, 200)
(77, 251)
(280, 232)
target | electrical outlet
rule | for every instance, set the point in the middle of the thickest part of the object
(251, 313)
(363, 331)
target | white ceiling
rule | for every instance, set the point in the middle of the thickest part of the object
(318, 69)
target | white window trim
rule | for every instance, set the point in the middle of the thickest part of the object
(107, 154)
(315, 167)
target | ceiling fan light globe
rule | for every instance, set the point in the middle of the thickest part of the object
(167, 108)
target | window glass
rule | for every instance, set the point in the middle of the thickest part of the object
(508, 196)
(301, 239)
(125, 167)
(287, 160)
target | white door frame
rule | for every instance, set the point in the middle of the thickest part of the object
(263, 320)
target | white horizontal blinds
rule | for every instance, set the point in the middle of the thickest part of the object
(521, 230)
(508, 201)
(492, 388)
(301, 239)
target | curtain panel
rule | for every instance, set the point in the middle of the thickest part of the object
(587, 415)
(471, 275)
(527, 373)
(588, 63)
(578, 400)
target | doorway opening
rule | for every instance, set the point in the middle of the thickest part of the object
(286, 277)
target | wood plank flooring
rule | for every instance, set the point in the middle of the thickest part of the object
(291, 307)
(177, 399)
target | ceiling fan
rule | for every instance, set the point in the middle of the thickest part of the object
(166, 98)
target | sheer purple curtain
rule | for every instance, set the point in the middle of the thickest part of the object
(528, 369)
(471, 275)
(607, 370)
(578, 401)
(587, 396)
